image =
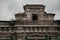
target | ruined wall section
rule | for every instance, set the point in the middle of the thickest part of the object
(34, 14)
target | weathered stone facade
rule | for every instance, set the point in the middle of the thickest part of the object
(34, 24)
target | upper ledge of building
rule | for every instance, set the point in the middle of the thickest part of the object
(51, 14)
(34, 6)
(4, 21)
(7, 20)
(20, 14)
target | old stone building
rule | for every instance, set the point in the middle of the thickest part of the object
(33, 24)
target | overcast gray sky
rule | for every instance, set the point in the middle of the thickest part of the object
(10, 7)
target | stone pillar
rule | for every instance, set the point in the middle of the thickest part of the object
(35, 29)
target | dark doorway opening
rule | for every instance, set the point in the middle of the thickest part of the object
(34, 17)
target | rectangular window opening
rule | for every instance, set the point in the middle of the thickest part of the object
(34, 17)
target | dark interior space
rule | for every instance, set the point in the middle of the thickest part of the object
(34, 17)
